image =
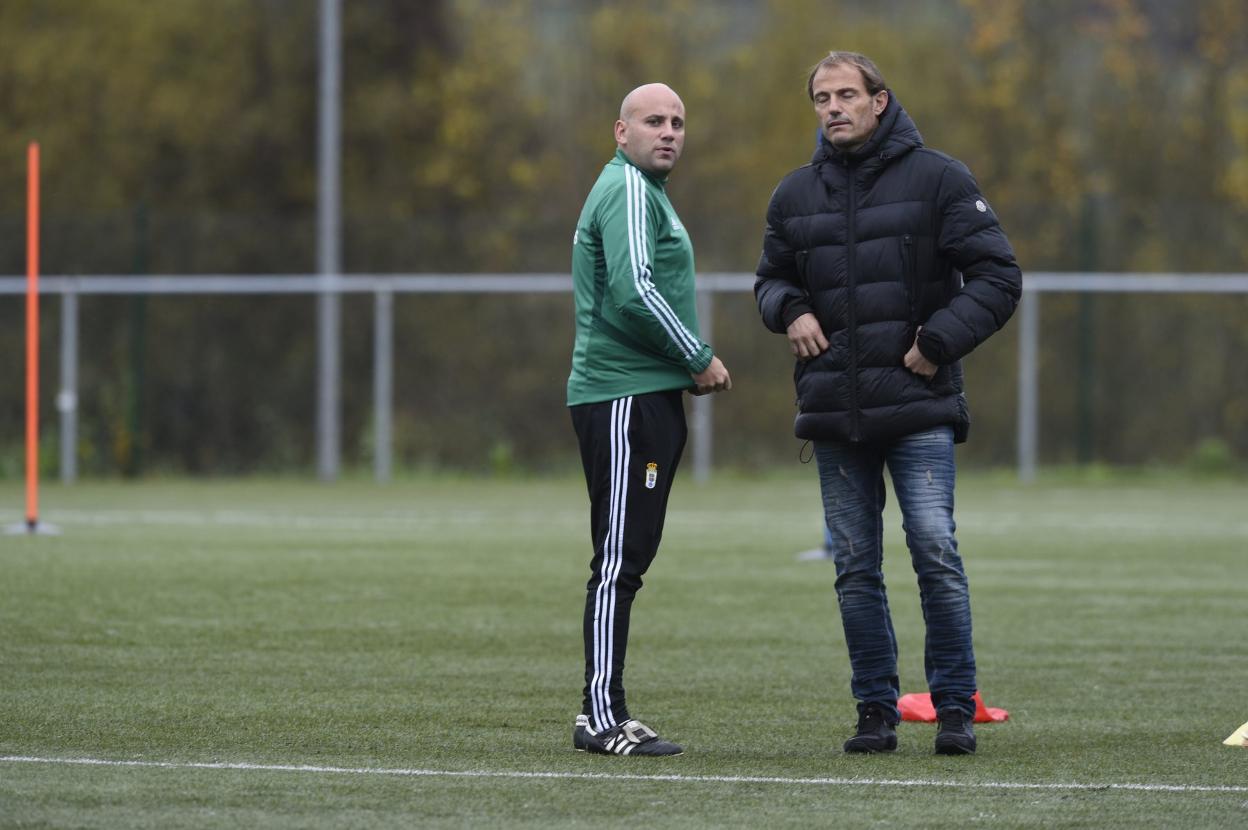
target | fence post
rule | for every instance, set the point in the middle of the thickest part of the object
(67, 398)
(383, 382)
(703, 408)
(328, 237)
(1028, 384)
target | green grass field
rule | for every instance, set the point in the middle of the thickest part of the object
(284, 654)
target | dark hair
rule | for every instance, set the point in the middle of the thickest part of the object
(870, 72)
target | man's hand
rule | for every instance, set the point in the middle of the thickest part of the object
(917, 363)
(714, 378)
(806, 337)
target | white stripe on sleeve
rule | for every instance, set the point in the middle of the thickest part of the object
(685, 341)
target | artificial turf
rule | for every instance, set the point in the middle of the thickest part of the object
(417, 647)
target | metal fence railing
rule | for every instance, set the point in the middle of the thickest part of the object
(385, 286)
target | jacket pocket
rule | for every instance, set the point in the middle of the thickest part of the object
(803, 263)
(910, 271)
(799, 369)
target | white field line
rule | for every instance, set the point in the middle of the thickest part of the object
(412, 522)
(614, 776)
(1119, 525)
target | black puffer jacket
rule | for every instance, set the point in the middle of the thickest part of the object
(877, 244)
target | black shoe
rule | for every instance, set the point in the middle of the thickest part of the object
(629, 738)
(875, 733)
(954, 733)
(581, 733)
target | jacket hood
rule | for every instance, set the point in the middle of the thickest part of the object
(895, 136)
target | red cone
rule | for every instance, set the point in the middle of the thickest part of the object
(918, 707)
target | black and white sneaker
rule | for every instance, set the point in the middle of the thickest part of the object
(875, 733)
(954, 733)
(629, 738)
(581, 733)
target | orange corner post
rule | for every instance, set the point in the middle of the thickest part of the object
(32, 336)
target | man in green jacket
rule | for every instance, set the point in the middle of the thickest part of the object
(637, 350)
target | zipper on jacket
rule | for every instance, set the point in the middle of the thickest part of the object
(911, 268)
(851, 255)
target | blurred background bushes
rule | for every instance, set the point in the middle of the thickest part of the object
(180, 137)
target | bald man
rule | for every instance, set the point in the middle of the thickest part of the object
(637, 351)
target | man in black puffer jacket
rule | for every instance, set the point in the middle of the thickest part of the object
(884, 265)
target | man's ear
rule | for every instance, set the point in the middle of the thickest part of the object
(620, 127)
(881, 101)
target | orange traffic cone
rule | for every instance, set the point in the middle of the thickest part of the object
(918, 707)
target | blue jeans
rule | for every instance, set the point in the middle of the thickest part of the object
(851, 477)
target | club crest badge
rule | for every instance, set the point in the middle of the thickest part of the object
(652, 475)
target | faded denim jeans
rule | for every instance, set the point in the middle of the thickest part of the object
(851, 477)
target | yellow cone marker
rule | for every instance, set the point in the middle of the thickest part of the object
(1239, 737)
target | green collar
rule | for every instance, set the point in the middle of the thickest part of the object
(619, 154)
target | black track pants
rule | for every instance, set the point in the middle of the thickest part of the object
(630, 448)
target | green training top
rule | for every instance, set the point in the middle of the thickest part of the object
(632, 278)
